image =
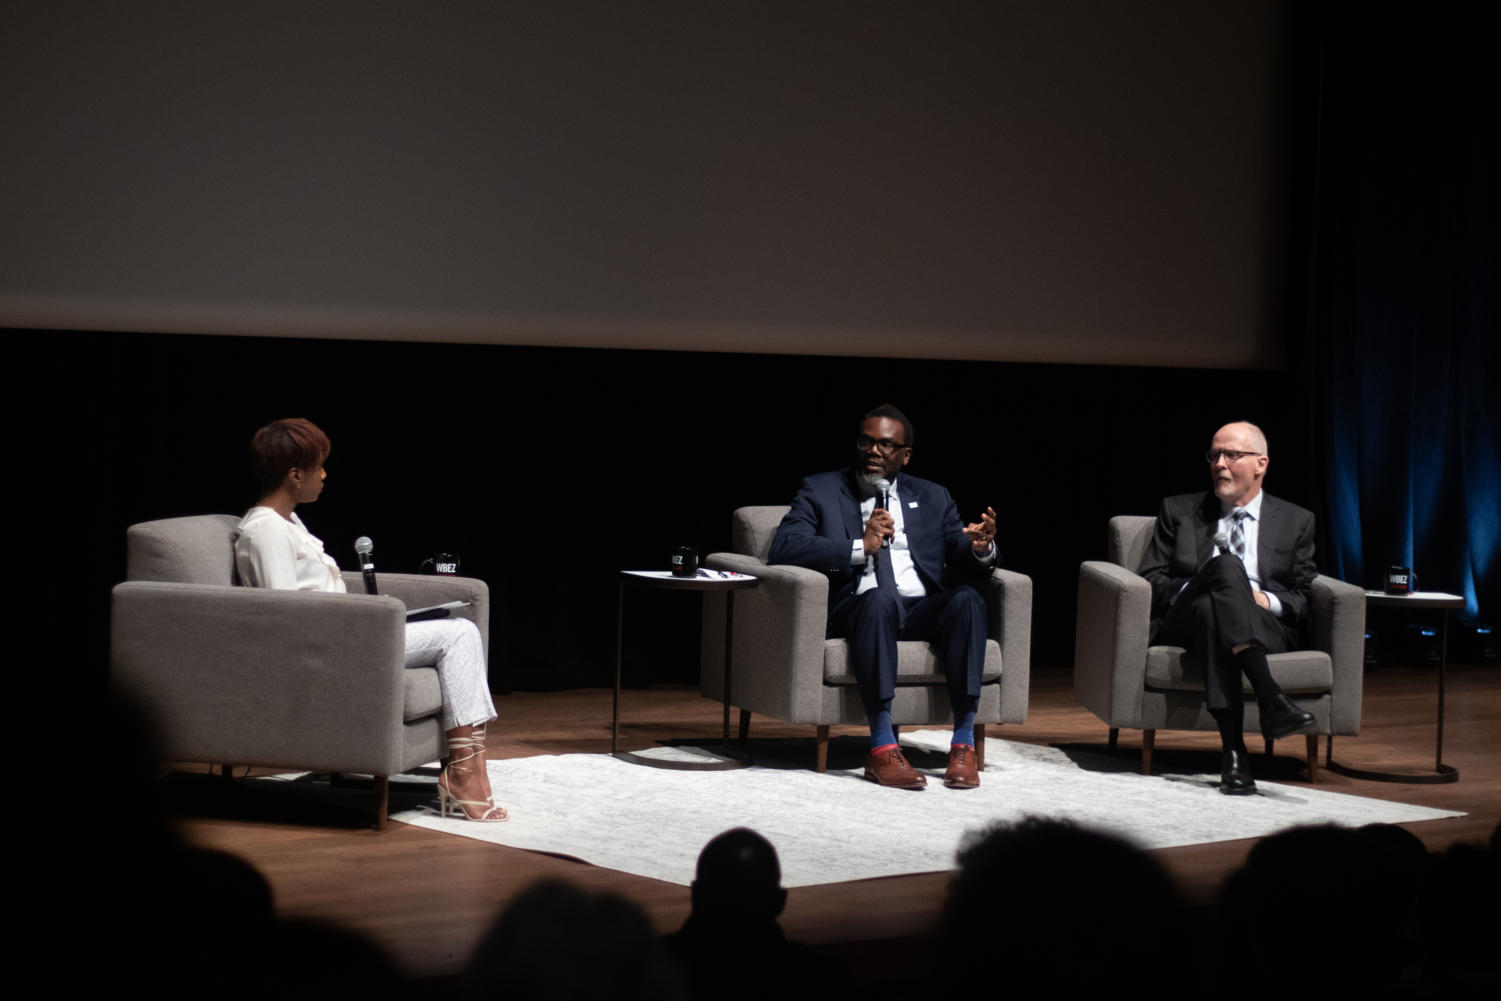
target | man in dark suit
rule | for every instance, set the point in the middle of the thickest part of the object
(1230, 571)
(890, 544)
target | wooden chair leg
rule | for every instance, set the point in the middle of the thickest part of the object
(382, 800)
(744, 725)
(823, 749)
(1115, 735)
(1148, 741)
(980, 746)
(1312, 740)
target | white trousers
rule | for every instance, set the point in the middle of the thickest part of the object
(453, 646)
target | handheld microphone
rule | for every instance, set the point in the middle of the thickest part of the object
(365, 549)
(1222, 539)
(883, 487)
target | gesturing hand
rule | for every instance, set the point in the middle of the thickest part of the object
(879, 527)
(982, 532)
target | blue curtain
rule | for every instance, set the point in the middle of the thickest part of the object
(1395, 189)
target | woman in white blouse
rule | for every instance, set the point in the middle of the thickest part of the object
(274, 549)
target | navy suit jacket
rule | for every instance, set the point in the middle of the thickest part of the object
(819, 533)
(1183, 541)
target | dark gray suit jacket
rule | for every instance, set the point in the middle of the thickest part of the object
(1183, 541)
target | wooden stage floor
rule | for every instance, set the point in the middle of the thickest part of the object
(427, 897)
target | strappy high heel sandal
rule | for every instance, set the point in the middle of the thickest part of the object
(462, 751)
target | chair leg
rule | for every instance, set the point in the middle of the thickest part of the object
(744, 725)
(980, 746)
(227, 771)
(823, 749)
(1313, 757)
(1115, 735)
(1148, 741)
(382, 800)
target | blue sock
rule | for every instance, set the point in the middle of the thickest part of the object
(964, 721)
(881, 732)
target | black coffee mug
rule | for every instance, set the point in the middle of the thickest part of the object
(1400, 580)
(683, 561)
(443, 564)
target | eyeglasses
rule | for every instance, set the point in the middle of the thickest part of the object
(1229, 454)
(883, 445)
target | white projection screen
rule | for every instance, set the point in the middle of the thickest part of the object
(1073, 181)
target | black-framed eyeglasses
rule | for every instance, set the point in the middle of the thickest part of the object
(883, 445)
(1229, 454)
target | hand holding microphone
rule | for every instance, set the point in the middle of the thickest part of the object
(881, 526)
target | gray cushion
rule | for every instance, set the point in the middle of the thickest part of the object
(1302, 672)
(423, 695)
(753, 528)
(916, 664)
(195, 550)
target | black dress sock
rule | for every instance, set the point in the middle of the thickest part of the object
(1252, 663)
(1229, 723)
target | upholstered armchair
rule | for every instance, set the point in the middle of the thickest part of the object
(1127, 683)
(783, 667)
(244, 676)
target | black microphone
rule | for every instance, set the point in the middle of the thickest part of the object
(363, 548)
(883, 487)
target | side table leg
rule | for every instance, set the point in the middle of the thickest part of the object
(619, 629)
(1443, 664)
(729, 644)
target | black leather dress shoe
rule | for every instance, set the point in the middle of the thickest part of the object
(1235, 774)
(1281, 717)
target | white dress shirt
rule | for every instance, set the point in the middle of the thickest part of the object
(271, 551)
(908, 583)
(1251, 528)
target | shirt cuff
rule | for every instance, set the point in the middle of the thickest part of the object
(857, 555)
(1275, 602)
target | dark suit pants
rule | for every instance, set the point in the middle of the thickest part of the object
(1215, 614)
(953, 621)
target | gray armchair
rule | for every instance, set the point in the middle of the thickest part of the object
(245, 676)
(783, 667)
(1126, 683)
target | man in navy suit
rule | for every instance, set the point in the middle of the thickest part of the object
(891, 544)
(1230, 571)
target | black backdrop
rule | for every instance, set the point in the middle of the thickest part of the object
(547, 470)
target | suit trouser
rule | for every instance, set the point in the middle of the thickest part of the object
(1216, 613)
(953, 621)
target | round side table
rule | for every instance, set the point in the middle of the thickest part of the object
(1441, 772)
(708, 580)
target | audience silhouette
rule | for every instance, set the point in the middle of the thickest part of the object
(731, 946)
(561, 943)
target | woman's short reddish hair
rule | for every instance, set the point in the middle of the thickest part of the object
(285, 445)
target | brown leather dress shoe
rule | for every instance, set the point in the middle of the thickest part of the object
(962, 772)
(889, 767)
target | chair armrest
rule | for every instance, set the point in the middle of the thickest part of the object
(252, 676)
(1336, 619)
(1110, 642)
(1009, 606)
(779, 631)
(423, 590)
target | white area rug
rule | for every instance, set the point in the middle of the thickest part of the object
(835, 827)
